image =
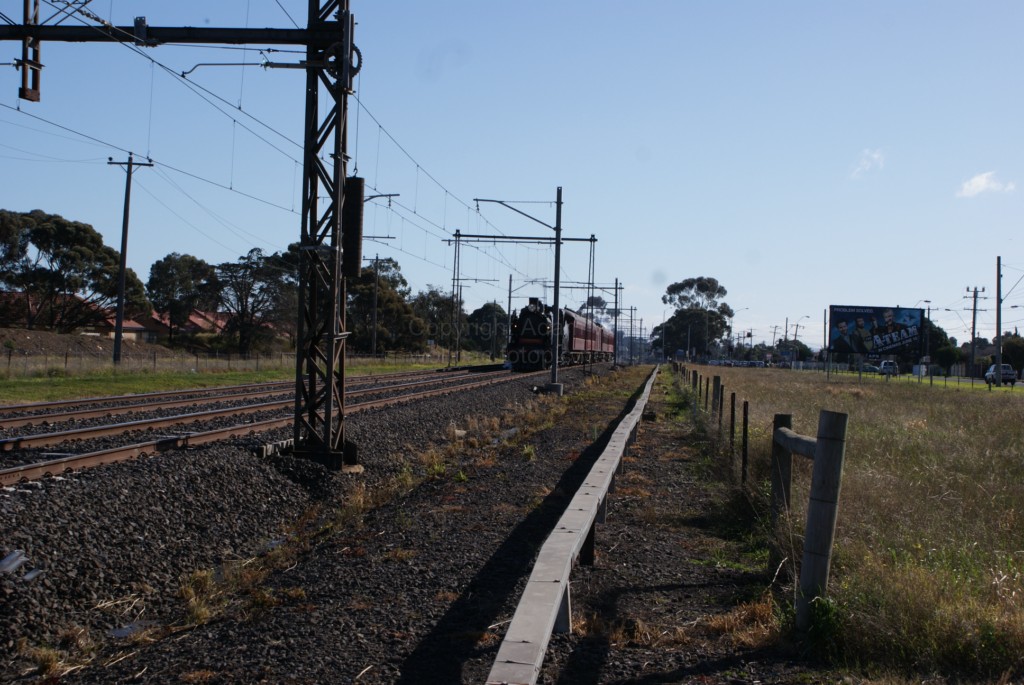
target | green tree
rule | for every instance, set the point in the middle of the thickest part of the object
(179, 284)
(946, 356)
(65, 276)
(702, 292)
(1013, 351)
(444, 319)
(398, 327)
(700, 316)
(249, 289)
(283, 271)
(487, 329)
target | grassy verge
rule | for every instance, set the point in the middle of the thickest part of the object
(928, 570)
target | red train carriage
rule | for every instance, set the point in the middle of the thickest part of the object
(585, 341)
(580, 341)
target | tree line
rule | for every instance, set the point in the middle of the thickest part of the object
(56, 274)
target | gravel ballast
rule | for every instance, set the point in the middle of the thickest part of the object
(350, 585)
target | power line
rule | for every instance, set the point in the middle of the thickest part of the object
(194, 87)
(104, 143)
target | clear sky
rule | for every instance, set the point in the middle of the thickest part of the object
(803, 153)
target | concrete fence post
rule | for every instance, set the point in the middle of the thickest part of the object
(822, 511)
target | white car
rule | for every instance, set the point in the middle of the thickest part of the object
(889, 368)
(1008, 375)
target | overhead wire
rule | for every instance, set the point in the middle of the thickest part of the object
(237, 230)
(205, 94)
(191, 85)
(113, 146)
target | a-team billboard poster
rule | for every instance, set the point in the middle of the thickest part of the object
(874, 330)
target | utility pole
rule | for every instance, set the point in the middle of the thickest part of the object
(494, 330)
(508, 315)
(455, 293)
(974, 324)
(122, 267)
(615, 326)
(632, 337)
(556, 318)
(999, 321)
(376, 285)
(928, 342)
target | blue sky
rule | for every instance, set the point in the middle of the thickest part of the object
(803, 153)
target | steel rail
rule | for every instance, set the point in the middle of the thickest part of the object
(11, 416)
(59, 417)
(17, 474)
(85, 401)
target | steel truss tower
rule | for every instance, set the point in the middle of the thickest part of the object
(329, 227)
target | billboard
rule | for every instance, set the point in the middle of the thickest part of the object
(875, 330)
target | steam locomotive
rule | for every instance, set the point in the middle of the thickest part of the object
(580, 340)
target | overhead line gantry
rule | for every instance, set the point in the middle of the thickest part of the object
(330, 237)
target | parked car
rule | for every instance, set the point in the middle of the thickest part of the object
(869, 368)
(889, 368)
(1008, 375)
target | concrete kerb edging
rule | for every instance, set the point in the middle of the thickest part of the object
(544, 606)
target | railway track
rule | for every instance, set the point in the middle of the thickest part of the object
(73, 447)
(36, 413)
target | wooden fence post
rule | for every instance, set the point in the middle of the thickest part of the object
(707, 393)
(822, 511)
(721, 409)
(746, 416)
(716, 384)
(732, 425)
(782, 469)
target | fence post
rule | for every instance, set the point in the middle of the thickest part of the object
(822, 510)
(746, 416)
(721, 409)
(732, 426)
(707, 394)
(782, 469)
(716, 388)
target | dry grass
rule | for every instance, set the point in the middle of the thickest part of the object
(627, 632)
(400, 554)
(751, 625)
(928, 572)
(199, 590)
(46, 660)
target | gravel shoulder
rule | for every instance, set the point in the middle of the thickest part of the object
(408, 573)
